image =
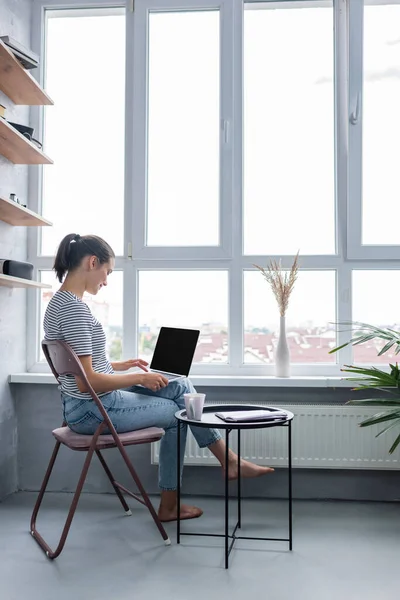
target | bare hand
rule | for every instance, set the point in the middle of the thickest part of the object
(125, 365)
(154, 381)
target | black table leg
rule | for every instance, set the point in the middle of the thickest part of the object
(178, 486)
(227, 431)
(290, 485)
(239, 491)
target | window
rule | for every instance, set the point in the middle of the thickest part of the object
(84, 131)
(374, 92)
(84, 134)
(253, 130)
(381, 124)
(106, 307)
(185, 303)
(289, 129)
(183, 129)
(309, 321)
(371, 290)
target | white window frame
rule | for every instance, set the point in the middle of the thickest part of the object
(229, 255)
(355, 248)
(42, 262)
(138, 184)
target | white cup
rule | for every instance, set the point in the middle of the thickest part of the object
(194, 406)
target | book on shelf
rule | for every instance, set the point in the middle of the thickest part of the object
(27, 58)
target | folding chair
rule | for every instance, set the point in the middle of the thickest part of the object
(63, 361)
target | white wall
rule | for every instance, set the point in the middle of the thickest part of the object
(15, 20)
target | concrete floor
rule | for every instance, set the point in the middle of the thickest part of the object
(342, 550)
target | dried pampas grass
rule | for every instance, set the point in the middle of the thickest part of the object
(281, 282)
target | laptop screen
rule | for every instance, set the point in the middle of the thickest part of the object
(174, 350)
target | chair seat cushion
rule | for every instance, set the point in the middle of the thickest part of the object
(76, 441)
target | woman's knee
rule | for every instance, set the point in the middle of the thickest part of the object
(184, 386)
(170, 421)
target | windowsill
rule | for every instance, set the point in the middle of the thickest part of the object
(305, 381)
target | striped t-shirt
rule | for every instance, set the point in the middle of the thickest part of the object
(69, 319)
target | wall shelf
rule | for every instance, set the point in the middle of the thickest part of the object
(18, 282)
(15, 214)
(18, 149)
(17, 83)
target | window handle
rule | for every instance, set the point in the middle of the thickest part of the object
(225, 131)
(355, 115)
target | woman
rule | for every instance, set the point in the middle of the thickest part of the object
(132, 400)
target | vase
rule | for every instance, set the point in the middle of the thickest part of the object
(282, 355)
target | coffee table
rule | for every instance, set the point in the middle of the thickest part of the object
(209, 419)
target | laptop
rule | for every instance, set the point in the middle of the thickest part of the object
(174, 352)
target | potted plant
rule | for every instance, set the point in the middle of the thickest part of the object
(372, 378)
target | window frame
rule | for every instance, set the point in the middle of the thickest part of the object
(139, 32)
(229, 256)
(42, 262)
(355, 248)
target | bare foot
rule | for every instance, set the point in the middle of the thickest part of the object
(187, 512)
(247, 469)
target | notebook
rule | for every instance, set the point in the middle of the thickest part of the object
(252, 415)
(174, 352)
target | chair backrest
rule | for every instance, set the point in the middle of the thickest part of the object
(64, 361)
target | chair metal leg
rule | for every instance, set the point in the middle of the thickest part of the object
(112, 480)
(146, 500)
(143, 492)
(35, 534)
(43, 487)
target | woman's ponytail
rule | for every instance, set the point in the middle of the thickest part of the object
(62, 259)
(73, 248)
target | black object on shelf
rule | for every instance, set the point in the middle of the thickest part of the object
(26, 131)
(16, 268)
(15, 199)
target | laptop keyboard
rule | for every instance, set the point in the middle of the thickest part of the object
(168, 376)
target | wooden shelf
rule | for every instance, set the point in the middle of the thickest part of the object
(18, 282)
(17, 83)
(18, 149)
(15, 214)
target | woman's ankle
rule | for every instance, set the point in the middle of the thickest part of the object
(218, 448)
(168, 500)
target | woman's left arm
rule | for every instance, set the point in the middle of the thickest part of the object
(125, 365)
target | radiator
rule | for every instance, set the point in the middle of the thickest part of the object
(323, 437)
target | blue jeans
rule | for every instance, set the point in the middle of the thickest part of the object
(137, 408)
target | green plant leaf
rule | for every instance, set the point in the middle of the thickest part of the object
(372, 371)
(374, 378)
(338, 348)
(365, 332)
(394, 445)
(380, 418)
(363, 338)
(395, 424)
(386, 348)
